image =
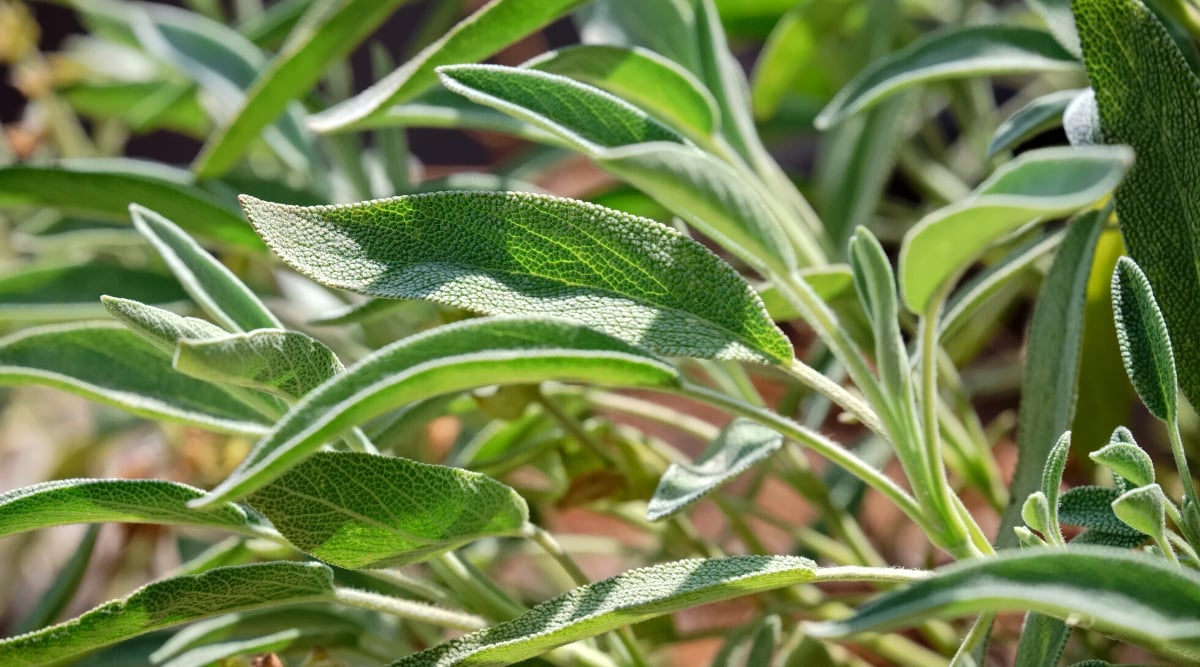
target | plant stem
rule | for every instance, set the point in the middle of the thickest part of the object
(835, 392)
(572, 426)
(411, 584)
(409, 610)
(1181, 464)
(460, 577)
(978, 633)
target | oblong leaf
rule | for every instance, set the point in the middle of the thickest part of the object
(494, 26)
(1145, 599)
(286, 363)
(211, 285)
(514, 253)
(741, 444)
(627, 598)
(362, 510)
(106, 363)
(73, 292)
(455, 357)
(1091, 507)
(111, 500)
(170, 602)
(1145, 342)
(1044, 183)
(949, 54)
(1039, 115)
(107, 193)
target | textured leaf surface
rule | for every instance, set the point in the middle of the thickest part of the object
(286, 363)
(1147, 95)
(1091, 507)
(634, 596)
(112, 365)
(521, 254)
(1058, 17)
(110, 500)
(455, 357)
(161, 328)
(1045, 183)
(225, 298)
(327, 33)
(107, 193)
(361, 510)
(740, 445)
(1146, 599)
(960, 52)
(73, 292)
(1145, 343)
(649, 81)
(1039, 115)
(493, 27)
(172, 602)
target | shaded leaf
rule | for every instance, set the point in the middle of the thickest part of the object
(1041, 114)
(1091, 507)
(1145, 343)
(73, 292)
(286, 363)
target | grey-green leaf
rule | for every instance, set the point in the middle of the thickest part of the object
(1081, 120)
(73, 292)
(109, 364)
(494, 26)
(1127, 460)
(959, 52)
(741, 444)
(111, 500)
(1041, 114)
(286, 363)
(628, 598)
(1145, 342)
(1146, 599)
(523, 254)
(361, 510)
(1146, 94)
(464, 355)
(1091, 507)
(1045, 183)
(170, 602)
(876, 287)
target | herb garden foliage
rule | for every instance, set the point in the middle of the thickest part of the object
(553, 332)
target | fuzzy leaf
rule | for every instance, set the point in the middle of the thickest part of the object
(1044, 183)
(1144, 509)
(741, 444)
(464, 355)
(1091, 507)
(161, 328)
(111, 500)
(521, 254)
(361, 510)
(170, 602)
(73, 292)
(876, 287)
(1145, 343)
(1081, 120)
(950, 54)
(1041, 114)
(286, 363)
(1127, 460)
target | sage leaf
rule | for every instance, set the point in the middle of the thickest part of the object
(1045, 183)
(625, 599)
(161, 328)
(288, 364)
(105, 192)
(648, 80)
(211, 285)
(1147, 599)
(876, 287)
(1145, 343)
(517, 254)
(454, 357)
(170, 602)
(949, 54)
(1146, 94)
(440, 108)
(362, 510)
(1081, 120)
(112, 500)
(1128, 461)
(741, 444)
(1144, 509)
(1041, 114)
(328, 31)
(109, 364)
(667, 28)
(73, 292)
(1092, 507)
(494, 26)
(63, 587)
(1058, 17)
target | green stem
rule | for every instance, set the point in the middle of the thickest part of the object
(411, 584)
(835, 392)
(978, 633)
(466, 583)
(409, 610)
(1181, 464)
(572, 426)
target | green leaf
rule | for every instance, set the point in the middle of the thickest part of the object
(1058, 17)
(1045, 183)
(170, 602)
(649, 81)
(73, 292)
(441, 108)
(107, 193)
(1147, 600)
(63, 587)
(1081, 120)
(1041, 114)
(1127, 460)
(1091, 507)
(627, 598)
(493, 27)
(1144, 509)
(949, 54)
(109, 364)
(328, 32)
(361, 510)
(112, 500)
(126, 99)
(741, 444)
(288, 364)
(1050, 381)
(225, 298)
(876, 287)
(828, 282)
(1145, 343)
(521, 254)
(464, 355)
(161, 328)
(667, 28)
(1147, 96)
